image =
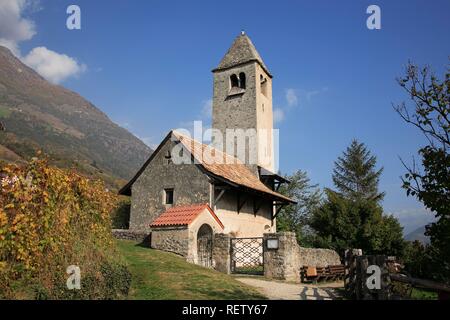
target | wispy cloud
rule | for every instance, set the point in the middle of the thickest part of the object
(291, 97)
(16, 28)
(295, 97)
(310, 94)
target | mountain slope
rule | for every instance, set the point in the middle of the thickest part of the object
(418, 234)
(37, 115)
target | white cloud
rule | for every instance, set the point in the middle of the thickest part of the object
(15, 28)
(312, 93)
(53, 66)
(278, 115)
(291, 97)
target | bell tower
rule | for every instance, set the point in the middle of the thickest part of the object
(242, 103)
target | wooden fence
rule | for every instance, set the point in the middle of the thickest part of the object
(356, 277)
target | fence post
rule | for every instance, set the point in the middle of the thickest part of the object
(350, 272)
(361, 288)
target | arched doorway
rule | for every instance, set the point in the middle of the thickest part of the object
(204, 245)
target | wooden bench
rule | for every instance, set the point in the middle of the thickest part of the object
(316, 274)
(336, 272)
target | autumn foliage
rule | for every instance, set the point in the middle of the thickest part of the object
(51, 219)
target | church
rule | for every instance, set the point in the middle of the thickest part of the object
(182, 205)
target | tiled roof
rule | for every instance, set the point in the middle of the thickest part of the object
(182, 216)
(241, 51)
(230, 169)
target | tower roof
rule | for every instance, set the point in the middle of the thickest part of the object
(241, 51)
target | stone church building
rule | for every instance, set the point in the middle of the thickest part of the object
(184, 204)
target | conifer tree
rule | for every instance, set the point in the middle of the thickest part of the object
(355, 175)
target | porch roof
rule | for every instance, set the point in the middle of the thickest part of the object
(183, 216)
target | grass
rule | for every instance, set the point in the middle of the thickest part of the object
(158, 275)
(422, 294)
(256, 270)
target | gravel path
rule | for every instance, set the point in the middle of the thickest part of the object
(276, 290)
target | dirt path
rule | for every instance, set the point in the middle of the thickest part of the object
(276, 290)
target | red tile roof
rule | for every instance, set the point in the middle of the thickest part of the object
(226, 166)
(182, 216)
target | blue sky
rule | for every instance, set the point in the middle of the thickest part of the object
(147, 64)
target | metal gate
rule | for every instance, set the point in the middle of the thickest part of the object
(204, 252)
(204, 246)
(247, 255)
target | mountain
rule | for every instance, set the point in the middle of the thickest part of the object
(37, 115)
(418, 234)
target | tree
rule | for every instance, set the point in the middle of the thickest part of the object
(352, 216)
(430, 184)
(342, 223)
(295, 217)
(335, 223)
(354, 174)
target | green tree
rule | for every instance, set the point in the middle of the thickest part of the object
(391, 240)
(295, 217)
(354, 174)
(417, 260)
(342, 223)
(430, 183)
(352, 216)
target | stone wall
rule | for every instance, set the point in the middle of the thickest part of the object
(282, 263)
(318, 257)
(250, 109)
(174, 240)
(125, 234)
(285, 262)
(189, 186)
(235, 111)
(221, 252)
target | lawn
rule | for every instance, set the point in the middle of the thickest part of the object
(422, 294)
(158, 275)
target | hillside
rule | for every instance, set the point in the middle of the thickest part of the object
(37, 115)
(418, 234)
(158, 275)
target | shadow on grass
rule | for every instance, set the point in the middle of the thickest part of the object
(162, 275)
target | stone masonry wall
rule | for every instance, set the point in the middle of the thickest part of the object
(174, 240)
(236, 111)
(221, 252)
(285, 262)
(190, 186)
(282, 263)
(125, 234)
(318, 257)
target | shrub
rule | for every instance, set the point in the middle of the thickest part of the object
(51, 219)
(121, 215)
